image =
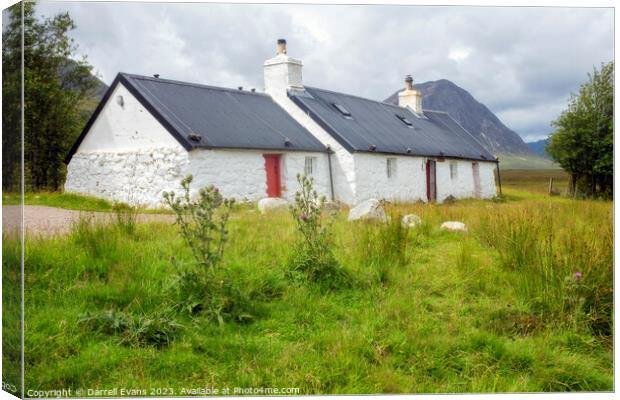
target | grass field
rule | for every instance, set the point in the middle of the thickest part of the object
(69, 201)
(497, 309)
(535, 181)
(62, 200)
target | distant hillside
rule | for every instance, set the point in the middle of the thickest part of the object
(443, 95)
(539, 147)
(99, 88)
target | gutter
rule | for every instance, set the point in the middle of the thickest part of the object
(331, 174)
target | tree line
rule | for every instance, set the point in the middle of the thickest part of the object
(583, 140)
(56, 84)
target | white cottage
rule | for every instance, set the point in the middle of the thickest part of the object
(148, 133)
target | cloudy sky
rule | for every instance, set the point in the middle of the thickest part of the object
(521, 62)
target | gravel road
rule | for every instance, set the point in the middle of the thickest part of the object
(46, 221)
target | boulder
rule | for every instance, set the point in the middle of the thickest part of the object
(370, 209)
(454, 226)
(272, 204)
(411, 221)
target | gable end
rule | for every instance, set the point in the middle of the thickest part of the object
(146, 104)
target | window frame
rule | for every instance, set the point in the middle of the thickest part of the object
(454, 170)
(310, 161)
(343, 110)
(404, 120)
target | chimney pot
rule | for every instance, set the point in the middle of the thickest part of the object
(408, 82)
(281, 48)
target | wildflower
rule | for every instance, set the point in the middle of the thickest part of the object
(303, 217)
(577, 275)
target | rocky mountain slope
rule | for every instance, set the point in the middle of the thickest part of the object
(443, 95)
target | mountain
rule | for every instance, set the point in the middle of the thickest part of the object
(538, 147)
(443, 95)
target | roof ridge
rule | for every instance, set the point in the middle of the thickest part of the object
(355, 96)
(191, 84)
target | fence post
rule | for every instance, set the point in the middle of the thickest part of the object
(499, 177)
(550, 186)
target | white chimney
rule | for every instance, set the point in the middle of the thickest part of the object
(410, 97)
(282, 72)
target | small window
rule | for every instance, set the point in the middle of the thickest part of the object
(343, 110)
(404, 120)
(453, 170)
(391, 168)
(310, 166)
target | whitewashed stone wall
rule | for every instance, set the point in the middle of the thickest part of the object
(241, 173)
(136, 177)
(141, 177)
(462, 186)
(408, 183)
(127, 155)
(487, 179)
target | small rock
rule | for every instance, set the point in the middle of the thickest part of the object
(411, 221)
(272, 204)
(368, 210)
(454, 226)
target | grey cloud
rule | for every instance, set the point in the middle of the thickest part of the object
(521, 62)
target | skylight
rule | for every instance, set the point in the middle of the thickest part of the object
(404, 120)
(342, 110)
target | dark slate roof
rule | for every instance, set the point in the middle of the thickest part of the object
(375, 125)
(223, 118)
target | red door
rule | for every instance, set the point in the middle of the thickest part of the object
(272, 170)
(431, 180)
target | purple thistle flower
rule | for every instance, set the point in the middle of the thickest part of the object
(577, 275)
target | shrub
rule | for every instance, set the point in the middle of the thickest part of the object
(157, 329)
(312, 257)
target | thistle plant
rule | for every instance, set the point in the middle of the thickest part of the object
(202, 223)
(307, 211)
(203, 228)
(312, 256)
